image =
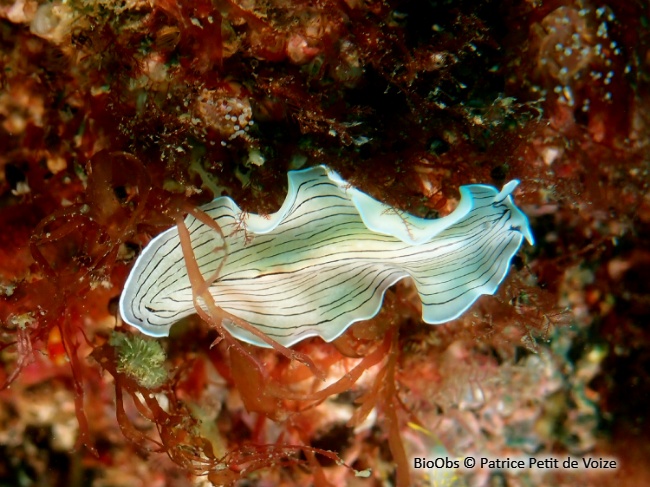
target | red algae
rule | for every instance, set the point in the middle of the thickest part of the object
(117, 119)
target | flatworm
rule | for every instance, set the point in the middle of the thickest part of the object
(325, 260)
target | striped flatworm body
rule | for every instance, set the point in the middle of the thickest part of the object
(325, 260)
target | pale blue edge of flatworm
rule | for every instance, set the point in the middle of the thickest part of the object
(125, 311)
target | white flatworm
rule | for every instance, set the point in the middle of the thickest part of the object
(325, 260)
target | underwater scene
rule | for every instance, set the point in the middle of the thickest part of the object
(364, 243)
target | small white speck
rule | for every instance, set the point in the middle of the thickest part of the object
(568, 94)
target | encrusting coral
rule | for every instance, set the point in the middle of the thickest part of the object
(117, 119)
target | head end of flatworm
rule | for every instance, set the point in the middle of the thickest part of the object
(520, 216)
